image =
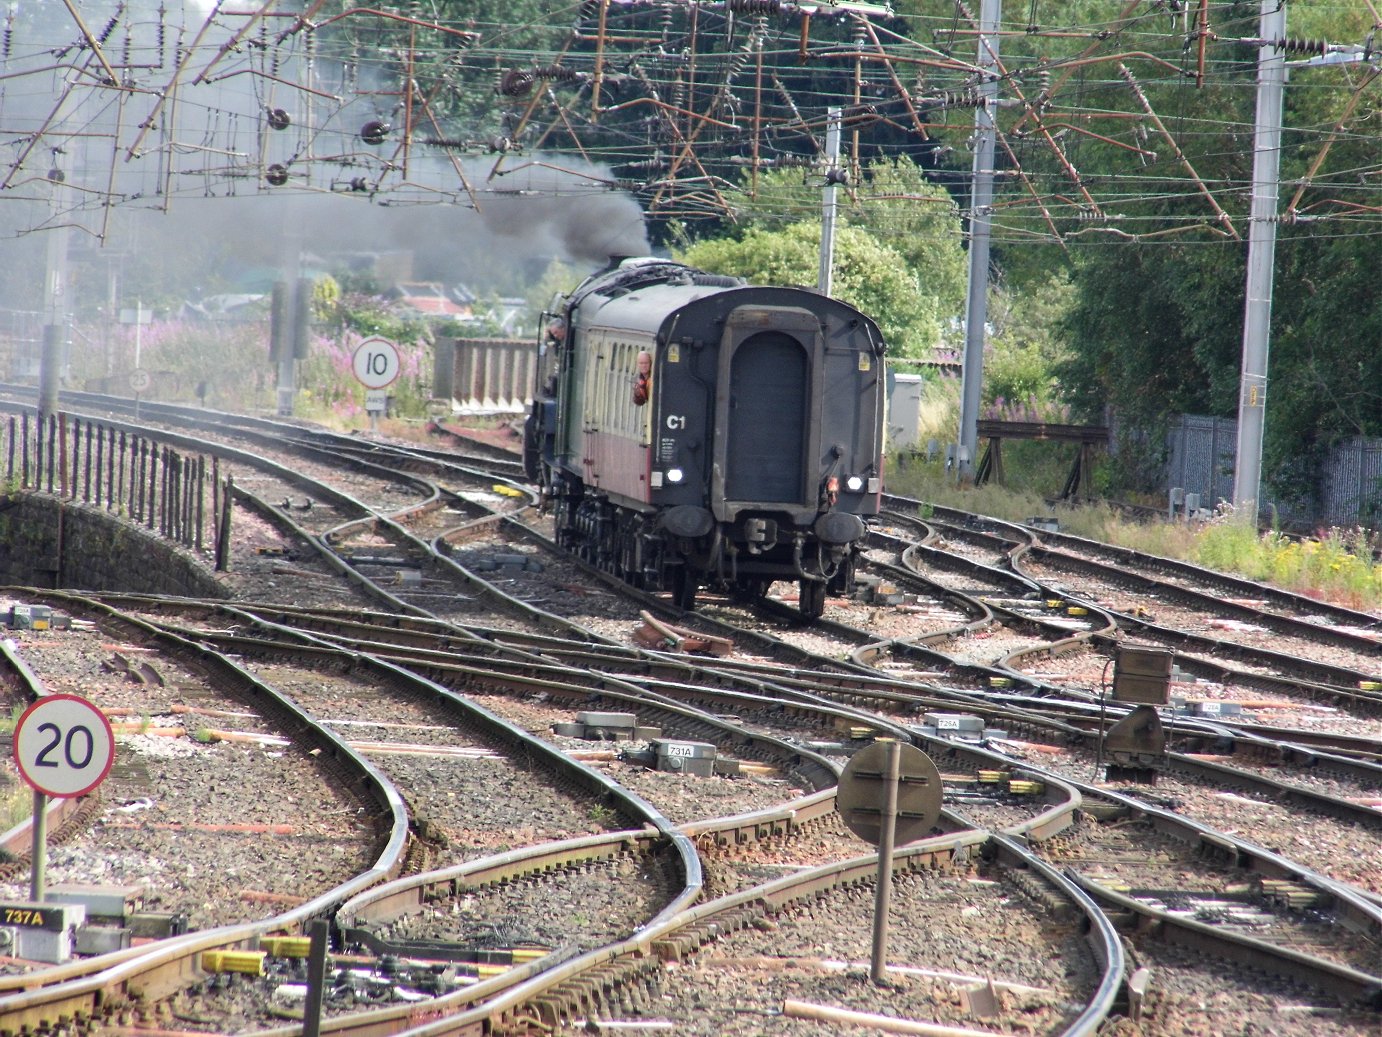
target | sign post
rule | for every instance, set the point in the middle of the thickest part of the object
(140, 380)
(889, 792)
(377, 366)
(64, 747)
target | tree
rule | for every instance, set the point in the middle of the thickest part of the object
(898, 254)
(868, 276)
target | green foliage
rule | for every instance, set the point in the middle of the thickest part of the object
(1335, 565)
(326, 297)
(232, 359)
(918, 220)
(1025, 346)
(368, 315)
(896, 208)
(602, 815)
(869, 276)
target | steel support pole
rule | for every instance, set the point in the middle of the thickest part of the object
(980, 219)
(883, 889)
(38, 877)
(829, 204)
(1257, 315)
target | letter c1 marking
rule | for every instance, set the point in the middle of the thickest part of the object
(676, 421)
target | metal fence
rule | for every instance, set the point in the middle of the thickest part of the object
(1202, 455)
(1352, 484)
(146, 482)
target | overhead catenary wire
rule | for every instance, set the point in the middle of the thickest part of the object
(684, 80)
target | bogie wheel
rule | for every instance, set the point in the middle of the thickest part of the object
(751, 588)
(684, 588)
(812, 599)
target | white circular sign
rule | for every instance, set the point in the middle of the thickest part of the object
(376, 363)
(63, 746)
(140, 379)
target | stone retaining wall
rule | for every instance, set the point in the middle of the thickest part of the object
(49, 543)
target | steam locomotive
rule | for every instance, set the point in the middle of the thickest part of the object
(690, 430)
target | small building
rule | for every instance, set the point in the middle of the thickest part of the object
(429, 300)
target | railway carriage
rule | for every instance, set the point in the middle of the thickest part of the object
(690, 430)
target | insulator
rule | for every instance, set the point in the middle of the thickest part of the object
(276, 175)
(374, 132)
(104, 34)
(953, 99)
(124, 50)
(278, 119)
(556, 73)
(516, 82)
(162, 33)
(736, 64)
(588, 11)
(9, 34)
(755, 6)
(1300, 45)
(446, 142)
(859, 112)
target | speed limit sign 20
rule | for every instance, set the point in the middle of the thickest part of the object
(64, 746)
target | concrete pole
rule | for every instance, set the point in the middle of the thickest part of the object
(829, 205)
(980, 220)
(1257, 317)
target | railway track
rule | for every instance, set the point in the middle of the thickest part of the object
(789, 711)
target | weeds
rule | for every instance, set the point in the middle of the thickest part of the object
(601, 815)
(17, 805)
(1334, 565)
(9, 723)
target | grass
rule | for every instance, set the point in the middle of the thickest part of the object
(1335, 565)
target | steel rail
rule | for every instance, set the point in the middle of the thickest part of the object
(82, 988)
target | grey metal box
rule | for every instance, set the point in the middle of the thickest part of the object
(680, 757)
(596, 718)
(100, 901)
(158, 925)
(102, 939)
(43, 932)
(965, 723)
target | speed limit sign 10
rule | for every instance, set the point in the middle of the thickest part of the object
(376, 363)
(64, 746)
